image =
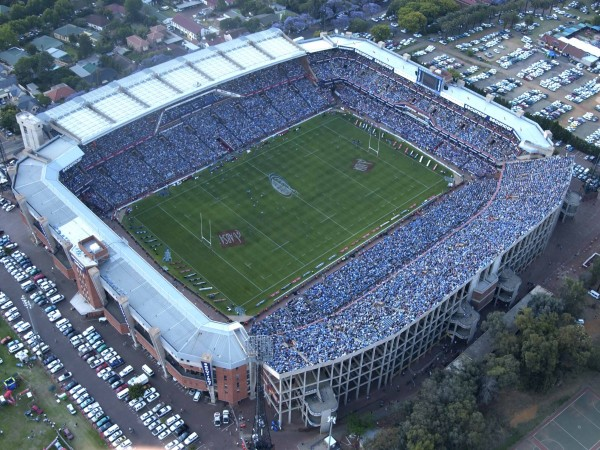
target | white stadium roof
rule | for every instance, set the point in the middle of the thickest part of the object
(105, 109)
(185, 330)
(154, 301)
(527, 130)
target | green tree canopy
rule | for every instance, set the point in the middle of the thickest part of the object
(136, 391)
(8, 38)
(84, 46)
(133, 9)
(412, 21)
(573, 294)
(358, 26)
(381, 32)
(8, 118)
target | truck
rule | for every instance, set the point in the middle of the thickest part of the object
(140, 379)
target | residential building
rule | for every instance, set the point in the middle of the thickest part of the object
(190, 29)
(63, 33)
(59, 92)
(137, 43)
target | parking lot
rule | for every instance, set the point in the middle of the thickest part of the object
(514, 66)
(90, 353)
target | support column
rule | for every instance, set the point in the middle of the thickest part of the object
(124, 305)
(154, 333)
(252, 380)
(22, 202)
(52, 244)
(206, 361)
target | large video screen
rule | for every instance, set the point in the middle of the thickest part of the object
(429, 80)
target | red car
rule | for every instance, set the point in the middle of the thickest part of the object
(36, 409)
(67, 433)
(104, 365)
(5, 340)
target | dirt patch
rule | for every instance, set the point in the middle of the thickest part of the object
(524, 416)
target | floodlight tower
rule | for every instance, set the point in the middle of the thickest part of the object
(260, 350)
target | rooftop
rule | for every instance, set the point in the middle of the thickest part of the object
(129, 98)
(186, 330)
(527, 130)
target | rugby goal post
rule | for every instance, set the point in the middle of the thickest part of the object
(209, 240)
(372, 146)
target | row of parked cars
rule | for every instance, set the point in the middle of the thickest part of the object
(6, 204)
(91, 408)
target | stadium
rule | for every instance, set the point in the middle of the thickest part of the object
(357, 320)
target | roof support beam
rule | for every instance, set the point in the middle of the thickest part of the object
(192, 66)
(261, 50)
(228, 58)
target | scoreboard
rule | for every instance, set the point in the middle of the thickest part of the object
(429, 80)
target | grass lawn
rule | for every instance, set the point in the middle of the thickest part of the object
(25, 433)
(283, 212)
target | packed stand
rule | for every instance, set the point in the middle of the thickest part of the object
(335, 318)
(379, 82)
(120, 167)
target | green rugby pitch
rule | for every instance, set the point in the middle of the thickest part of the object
(281, 238)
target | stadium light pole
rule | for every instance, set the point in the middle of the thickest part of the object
(28, 307)
(331, 420)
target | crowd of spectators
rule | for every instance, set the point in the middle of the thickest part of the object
(399, 278)
(380, 82)
(393, 283)
(166, 145)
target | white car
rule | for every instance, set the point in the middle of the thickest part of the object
(152, 397)
(23, 327)
(113, 437)
(53, 316)
(139, 405)
(14, 316)
(57, 367)
(65, 376)
(71, 409)
(164, 434)
(7, 305)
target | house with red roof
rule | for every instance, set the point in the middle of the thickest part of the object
(59, 92)
(137, 43)
(190, 29)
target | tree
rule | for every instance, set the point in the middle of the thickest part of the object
(85, 47)
(573, 295)
(413, 21)
(136, 391)
(253, 25)
(42, 100)
(445, 412)
(358, 25)
(30, 48)
(23, 70)
(381, 32)
(8, 117)
(540, 361)
(574, 346)
(546, 304)
(51, 17)
(8, 38)
(64, 9)
(133, 10)
(387, 439)
(359, 424)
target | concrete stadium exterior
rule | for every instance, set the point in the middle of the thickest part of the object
(117, 283)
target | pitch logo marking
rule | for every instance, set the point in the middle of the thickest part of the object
(362, 165)
(281, 185)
